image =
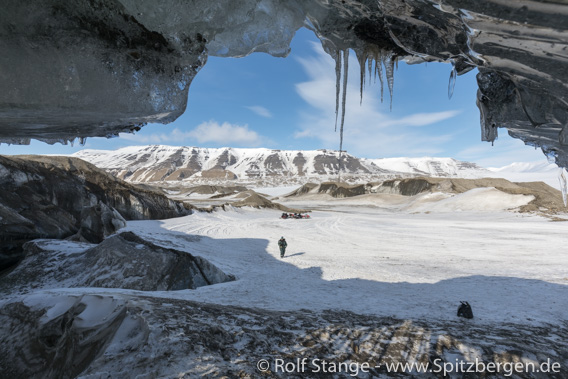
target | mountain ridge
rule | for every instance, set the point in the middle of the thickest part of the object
(155, 163)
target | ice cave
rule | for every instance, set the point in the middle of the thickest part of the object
(108, 270)
(96, 68)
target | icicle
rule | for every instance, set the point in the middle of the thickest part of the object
(345, 71)
(379, 72)
(343, 100)
(370, 68)
(337, 83)
(564, 185)
(82, 141)
(452, 83)
(389, 70)
(361, 57)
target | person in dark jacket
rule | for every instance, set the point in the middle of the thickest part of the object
(282, 245)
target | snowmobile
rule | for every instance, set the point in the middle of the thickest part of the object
(294, 215)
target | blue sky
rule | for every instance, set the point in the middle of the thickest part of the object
(289, 103)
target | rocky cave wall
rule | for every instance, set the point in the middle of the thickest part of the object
(85, 68)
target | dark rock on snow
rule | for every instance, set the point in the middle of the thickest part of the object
(58, 197)
(56, 336)
(120, 261)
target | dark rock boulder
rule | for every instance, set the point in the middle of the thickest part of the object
(121, 261)
(128, 261)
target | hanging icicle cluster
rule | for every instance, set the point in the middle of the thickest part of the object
(379, 58)
(366, 58)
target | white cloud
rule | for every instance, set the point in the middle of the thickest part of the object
(261, 111)
(176, 135)
(146, 139)
(422, 119)
(206, 132)
(368, 132)
(225, 133)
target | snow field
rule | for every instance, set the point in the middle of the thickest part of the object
(511, 267)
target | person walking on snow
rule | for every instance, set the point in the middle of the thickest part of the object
(282, 245)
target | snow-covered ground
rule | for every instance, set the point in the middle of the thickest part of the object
(275, 191)
(377, 278)
(417, 263)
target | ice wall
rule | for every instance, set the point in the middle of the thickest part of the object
(99, 67)
(88, 68)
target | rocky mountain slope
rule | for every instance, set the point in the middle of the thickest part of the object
(545, 198)
(170, 163)
(57, 197)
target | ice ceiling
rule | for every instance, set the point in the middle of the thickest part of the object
(74, 69)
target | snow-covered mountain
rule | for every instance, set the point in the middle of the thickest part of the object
(527, 167)
(172, 163)
(541, 171)
(428, 166)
